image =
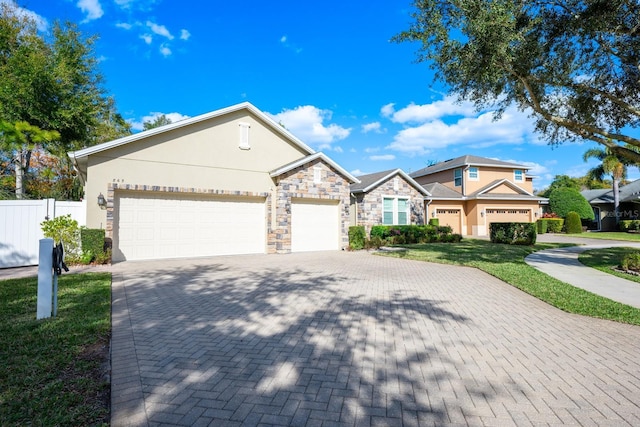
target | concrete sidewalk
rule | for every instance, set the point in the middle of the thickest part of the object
(563, 264)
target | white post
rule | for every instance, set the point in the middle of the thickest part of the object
(45, 279)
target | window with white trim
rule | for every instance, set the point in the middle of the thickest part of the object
(457, 177)
(474, 175)
(244, 136)
(518, 175)
(395, 211)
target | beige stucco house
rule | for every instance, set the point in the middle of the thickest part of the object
(469, 192)
(232, 181)
(387, 198)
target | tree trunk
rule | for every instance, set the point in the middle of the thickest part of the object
(23, 158)
(616, 200)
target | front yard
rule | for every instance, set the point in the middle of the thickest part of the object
(506, 262)
(54, 370)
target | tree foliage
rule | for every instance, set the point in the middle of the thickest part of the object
(564, 200)
(161, 120)
(51, 82)
(572, 63)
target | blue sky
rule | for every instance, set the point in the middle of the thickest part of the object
(326, 70)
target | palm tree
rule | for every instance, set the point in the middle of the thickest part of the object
(610, 165)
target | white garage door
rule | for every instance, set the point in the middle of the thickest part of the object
(314, 227)
(160, 225)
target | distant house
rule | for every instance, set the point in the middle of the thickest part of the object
(387, 198)
(602, 203)
(468, 193)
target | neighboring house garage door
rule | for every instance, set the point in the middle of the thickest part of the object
(508, 215)
(314, 226)
(450, 217)
(161, 225)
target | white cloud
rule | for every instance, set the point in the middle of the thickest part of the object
(372, 127)
(372, 149)
(41, 22)
(184, 34)
(285, 42)
(165, 50)
(338, 149)
(382, 157)
(139, 125)
(92, 8)
(307, 123)
(473, 131)
(148, 38)
(357, 172)
(283, 39)
(160, 30)
(422, 113)
(124, 25)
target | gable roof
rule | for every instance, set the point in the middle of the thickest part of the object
(186, 122)
(307, 159)
(627, 193)
(442, 192)
(465, 161)
(498, 182)
(372, 180)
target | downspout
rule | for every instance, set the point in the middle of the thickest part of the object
(426, 211)
(464, 180)
(355, 214)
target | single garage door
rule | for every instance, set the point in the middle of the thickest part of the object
(162, 225)
(314, 226)
(507, 215)
(450, 217)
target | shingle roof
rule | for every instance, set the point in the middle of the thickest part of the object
(464, 161)
(627, 193)
(439, 191)
(372, 180)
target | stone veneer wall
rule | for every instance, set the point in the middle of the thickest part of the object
(112, 187)
(370, 204)
(299, 183)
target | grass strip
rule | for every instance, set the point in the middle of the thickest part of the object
(607, 259)
(506, 262)
(53, 370)
(609, 235)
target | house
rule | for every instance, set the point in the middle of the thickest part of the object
(387, 198)
(232, 181)
(468, 193)
(602, 202)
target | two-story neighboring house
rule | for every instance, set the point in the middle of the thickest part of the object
(469, 192)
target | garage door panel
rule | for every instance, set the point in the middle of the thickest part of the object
(156, 226)
(450, 217)
(314, 227)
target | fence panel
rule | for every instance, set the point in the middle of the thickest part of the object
(20, 230)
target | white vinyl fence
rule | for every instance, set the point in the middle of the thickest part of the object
(20, 230)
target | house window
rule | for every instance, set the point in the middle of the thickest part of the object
(457, 177)
(244, 136)
(395, 211)
(473, 174)
(518, 175)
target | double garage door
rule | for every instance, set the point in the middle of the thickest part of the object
(161, 225)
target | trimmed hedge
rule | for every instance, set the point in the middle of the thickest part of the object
(554, 225)
(564, 200)
(357, 237)
(572, 224)
(92, 240)
(629, 225)
(434, 221)
(408, 234)
(513, 233)
(541, 224)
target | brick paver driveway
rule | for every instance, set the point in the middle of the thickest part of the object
(356, 339)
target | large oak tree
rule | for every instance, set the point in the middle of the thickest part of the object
(574, 64)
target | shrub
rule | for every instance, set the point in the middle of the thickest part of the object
(434, 221)
(542, 225)
(564, 200)
(374, 242)
(357, 236)
(572, 224)
(554, 225)
(629, 225)
(631, 262)
(513, 233)
(92, 240)
(379, 231)
(63, 229)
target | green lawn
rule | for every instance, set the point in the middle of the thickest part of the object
(52, 370)
(610, 235)
(607, 259)
(506, 262)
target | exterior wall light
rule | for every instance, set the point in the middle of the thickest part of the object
(102, 202)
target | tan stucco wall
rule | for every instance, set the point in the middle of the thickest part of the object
(204, 155)
(445, 178)
(486, 176)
